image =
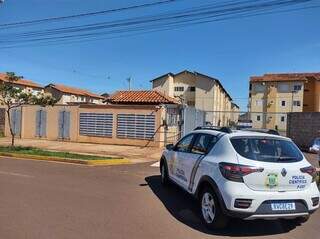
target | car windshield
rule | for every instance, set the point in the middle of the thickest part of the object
(267, 149)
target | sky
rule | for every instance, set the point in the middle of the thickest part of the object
(231, 51)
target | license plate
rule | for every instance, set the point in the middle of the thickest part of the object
(291, 206)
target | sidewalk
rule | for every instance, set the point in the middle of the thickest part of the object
(133, 153)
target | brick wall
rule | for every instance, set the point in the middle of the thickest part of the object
(2, 121)
(303, 128)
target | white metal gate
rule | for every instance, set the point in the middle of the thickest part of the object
(96, 124)
(41, 123)
(136, 126)
(16, 121)
(64, 125)
(192, 118)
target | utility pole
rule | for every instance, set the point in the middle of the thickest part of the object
(129, 82)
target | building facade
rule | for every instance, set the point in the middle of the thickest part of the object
(200, 91)
(272, 96)
(27, 86)
(235, 113)
(69, 95)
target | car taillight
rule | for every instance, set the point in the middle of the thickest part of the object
(236, 172)
(311, 171)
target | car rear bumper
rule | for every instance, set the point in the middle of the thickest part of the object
(277, 216)
(261, 201)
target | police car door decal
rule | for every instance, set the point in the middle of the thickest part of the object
(194, 171)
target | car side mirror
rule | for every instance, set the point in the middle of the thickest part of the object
(169, 146)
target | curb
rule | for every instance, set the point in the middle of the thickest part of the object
(98, 162)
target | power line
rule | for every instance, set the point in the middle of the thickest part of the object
(54, 19)
(207, 10)
(103, 25)
(226, 10)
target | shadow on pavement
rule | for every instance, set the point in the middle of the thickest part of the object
(185, 209)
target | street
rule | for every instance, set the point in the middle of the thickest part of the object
(56, 200)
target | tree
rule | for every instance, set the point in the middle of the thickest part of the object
(12, 97)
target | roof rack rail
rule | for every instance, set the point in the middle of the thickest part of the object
(221, 129)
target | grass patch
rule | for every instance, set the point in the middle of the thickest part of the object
(46, 153)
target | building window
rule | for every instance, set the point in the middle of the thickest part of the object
(259, 88)
(282, 87)
(192, 88)
(282, 118)
(296, 103)
(258, 118)
(283, 103)
(297, 87)
(178, 88)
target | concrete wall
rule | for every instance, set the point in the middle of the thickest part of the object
(28, 124)
(303, 127)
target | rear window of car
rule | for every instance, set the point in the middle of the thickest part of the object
(267, 149)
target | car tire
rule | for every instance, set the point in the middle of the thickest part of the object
(164, 173)
(210, 210)
(296, 221)
(301, 220)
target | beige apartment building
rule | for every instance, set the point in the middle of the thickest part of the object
(235, 113)
(272, 96)
(27, 86)
(69, 95)
(200, 91)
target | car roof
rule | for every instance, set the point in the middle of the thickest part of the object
(239, 133)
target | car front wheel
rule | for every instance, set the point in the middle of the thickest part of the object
(164, 174)
(211, 212)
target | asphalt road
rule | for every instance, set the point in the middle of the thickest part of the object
(53, 200)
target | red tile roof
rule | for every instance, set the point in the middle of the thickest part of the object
(141, 97)
(74, 91)
(22, 82)
(286, 77)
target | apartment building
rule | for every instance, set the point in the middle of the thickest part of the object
(272, 96)
(71, 95)
(200, 91)
(235, 113)
(27, 86)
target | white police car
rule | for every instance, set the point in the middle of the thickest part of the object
(241, 174)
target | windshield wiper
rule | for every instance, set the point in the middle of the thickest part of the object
(279, 158)
(285, 158)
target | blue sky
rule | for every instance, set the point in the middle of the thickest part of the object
(231, 51)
